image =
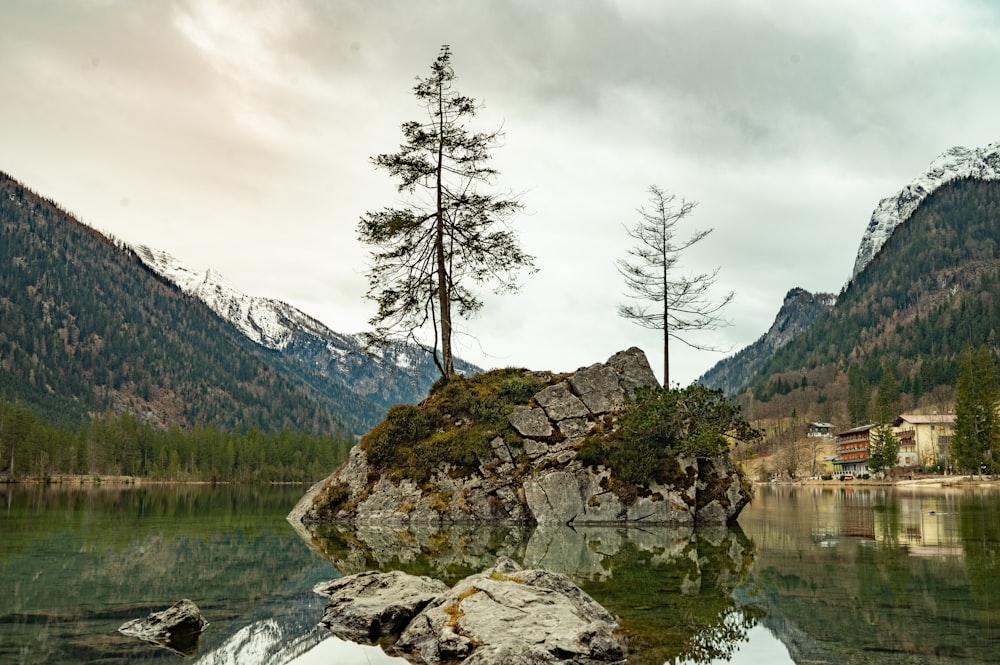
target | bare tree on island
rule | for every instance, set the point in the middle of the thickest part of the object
(673, 303)
(451, 235)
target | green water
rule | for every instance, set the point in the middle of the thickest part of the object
(76, 564)
(878, 576)
(835, 575)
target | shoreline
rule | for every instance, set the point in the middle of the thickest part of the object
(931, 482)
(92, 480)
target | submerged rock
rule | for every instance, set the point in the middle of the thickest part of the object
(529, 471)
(504, 615)
(177, 628)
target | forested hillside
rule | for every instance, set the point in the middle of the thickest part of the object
(86, 328)
(358, 385)
(933, 289)
(798, 312)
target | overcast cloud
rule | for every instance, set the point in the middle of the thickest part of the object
(236, 135)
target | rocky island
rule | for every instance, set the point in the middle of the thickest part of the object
(602, 445)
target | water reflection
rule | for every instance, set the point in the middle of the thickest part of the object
(846, 573)
(75, 564)
(837, 574)
(670, 588)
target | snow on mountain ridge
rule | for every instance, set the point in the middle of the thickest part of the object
(361, 385)
(954, 163)
(266, 321)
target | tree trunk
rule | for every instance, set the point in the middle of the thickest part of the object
(444, 295)
(447, 362)
(666, 322)
(666, 360)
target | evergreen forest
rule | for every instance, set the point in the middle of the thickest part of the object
(122, 445)
(932, 290)
(105, 368)
(86, 328)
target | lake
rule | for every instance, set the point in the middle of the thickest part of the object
(824, 574)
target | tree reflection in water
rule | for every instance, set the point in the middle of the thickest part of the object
(671, 589)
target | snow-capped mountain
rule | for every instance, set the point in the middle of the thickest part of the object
(958, 162)
(801, 308)
(270, 323)
(335, 365)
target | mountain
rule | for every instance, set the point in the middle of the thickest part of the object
(932, 289)
(361, 386)
(86, 327)
(955, 163)
(798, 312)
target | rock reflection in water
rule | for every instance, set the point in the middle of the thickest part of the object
(671, 588)
(448, 554)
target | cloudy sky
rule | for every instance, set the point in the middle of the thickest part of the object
(236, 135)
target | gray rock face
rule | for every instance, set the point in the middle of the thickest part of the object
(367, 606)
(509, 615)
(633, 370)
(719, 500)
(599, 388)
(177, 628)
(535, 476)
(560, 404)
(556, 497)
(530, 422)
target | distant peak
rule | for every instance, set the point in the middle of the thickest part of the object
(956, 162)
(800, 295)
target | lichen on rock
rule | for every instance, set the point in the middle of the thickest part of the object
(519, 446)
(502, 615)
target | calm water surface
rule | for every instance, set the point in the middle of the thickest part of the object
(831, 575)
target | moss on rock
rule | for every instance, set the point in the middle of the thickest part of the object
(453, 426)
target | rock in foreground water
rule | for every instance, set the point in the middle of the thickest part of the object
(177, 628)
(504, 615)
(368, 606)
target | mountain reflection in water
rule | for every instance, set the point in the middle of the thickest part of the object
(846, 575)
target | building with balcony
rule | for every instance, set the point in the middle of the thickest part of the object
(926, 439)
(852, 451)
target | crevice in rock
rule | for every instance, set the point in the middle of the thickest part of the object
(496, 600)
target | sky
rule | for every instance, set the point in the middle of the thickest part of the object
(237, 135)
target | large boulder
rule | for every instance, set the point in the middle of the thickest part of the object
(502, 616)
(530, 472)
(368, 606)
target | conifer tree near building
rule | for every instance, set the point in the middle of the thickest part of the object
(975, 442)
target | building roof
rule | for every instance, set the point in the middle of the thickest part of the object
(863, 428)
(823, 425)
(920, 419)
